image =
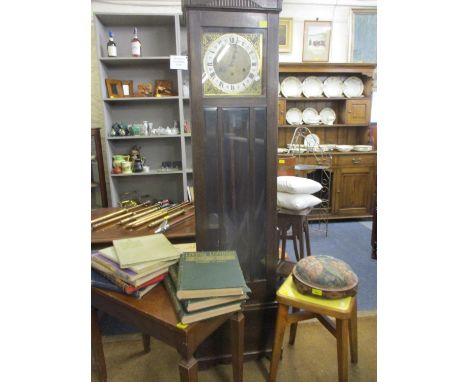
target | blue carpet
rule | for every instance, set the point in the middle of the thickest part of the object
(350, 242)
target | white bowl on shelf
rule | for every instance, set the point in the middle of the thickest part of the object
(344, 148)
(362, 148)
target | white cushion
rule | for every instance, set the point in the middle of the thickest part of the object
(297, 185)
(297, 201)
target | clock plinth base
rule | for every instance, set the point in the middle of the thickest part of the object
(258, 342)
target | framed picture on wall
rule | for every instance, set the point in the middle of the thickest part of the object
(363, 35)
(317, 37)
(285, 34)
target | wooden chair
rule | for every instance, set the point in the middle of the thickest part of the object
(343, 310)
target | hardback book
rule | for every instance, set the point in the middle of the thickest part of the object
(121, 285)
(210, 274)
(188, 318)
(141, 249)
(128, 275)
(194, 304)
(109, 269)
(138, 270)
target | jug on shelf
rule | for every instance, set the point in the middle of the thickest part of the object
(138, 164)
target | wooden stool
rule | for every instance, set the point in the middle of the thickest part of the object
(344, 310)
(300, 228)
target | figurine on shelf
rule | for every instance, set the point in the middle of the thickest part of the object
(135, 153)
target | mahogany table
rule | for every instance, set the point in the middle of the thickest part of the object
(103, 236)
(154, 316)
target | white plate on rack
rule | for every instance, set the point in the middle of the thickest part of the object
(327, 147)
(282, 150)
(333, 87)
(353, 87)
(327, 116)
(362, 148)
(310, 116)
(344, 148)
(291, 87)
(311, 140)
(312, 87)
(295, 148)
(294, 116)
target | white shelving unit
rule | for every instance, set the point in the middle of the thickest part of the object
(161, 36)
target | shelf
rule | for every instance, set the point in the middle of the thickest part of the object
(323, 125)
(93, 185)
(188, 135)
(189, 170)
(153, 172)
(124, 61)
(142, 137)
(141, 99)
(321, 98)
(116, 19)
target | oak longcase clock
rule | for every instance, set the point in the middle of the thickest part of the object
(233, 56)
(233, 62)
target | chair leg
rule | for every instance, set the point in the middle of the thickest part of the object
(307, 237)
(281, 320)
(342, 346)
(353, 336)
(293, 329)
(146, 342)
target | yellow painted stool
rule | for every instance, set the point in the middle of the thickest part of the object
(344, 310)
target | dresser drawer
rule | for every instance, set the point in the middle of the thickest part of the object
(356, 160)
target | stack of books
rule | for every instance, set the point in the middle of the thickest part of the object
(133, 266)
(205, 285)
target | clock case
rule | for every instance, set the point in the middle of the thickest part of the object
(234, 148)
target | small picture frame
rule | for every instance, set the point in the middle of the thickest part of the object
(127, 88)
(114, 88)
(145, 89)
(316, 44)
(285, 34)
(163, 88)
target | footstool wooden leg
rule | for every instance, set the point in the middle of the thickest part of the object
(353, 336)
(146, 342)
(96, 346)
(293, 329)
(342, 336)
(188, 370)
(237, 346)
(281, 320)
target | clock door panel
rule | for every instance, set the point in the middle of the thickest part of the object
(235, 183)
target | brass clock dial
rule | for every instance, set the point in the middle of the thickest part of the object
(232, 64)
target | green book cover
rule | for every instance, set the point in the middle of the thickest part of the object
(194, 304)
(188, 318)
(141, 249)
(210, 274)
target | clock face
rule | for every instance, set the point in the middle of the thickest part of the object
(232, 64)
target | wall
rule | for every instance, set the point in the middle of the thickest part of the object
(337, 11)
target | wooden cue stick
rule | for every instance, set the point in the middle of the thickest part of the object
(112, 214)
(187, 214)
(156, 215)
(184, 210)
(115, 219)
(149, 217)
(167, 217)
(142, 212)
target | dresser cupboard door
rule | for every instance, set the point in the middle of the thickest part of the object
(358, 111)
(354, 189)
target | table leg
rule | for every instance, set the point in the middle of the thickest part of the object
(353, 336)
(237, 346)
(146, 342)
(96, 345)
(188, 370)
